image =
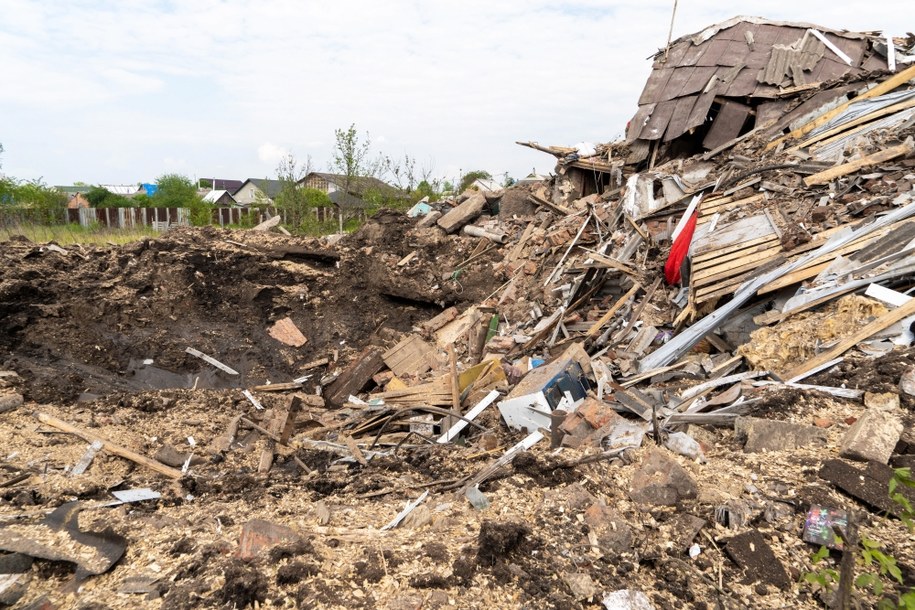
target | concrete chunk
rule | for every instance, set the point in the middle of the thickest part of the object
(8, 402)
(872, 438)
(770, 435)
(662, 481)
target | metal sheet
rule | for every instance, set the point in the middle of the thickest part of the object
(744, 85)
(727, 124)
(698, 80)
(714, 51)
(680, 118)
(657, 124)
(655, 86)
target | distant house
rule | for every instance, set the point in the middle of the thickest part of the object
(126, 190)
(221, 184)
(359, 190)
(485, 185)
(77, 200)
(220, 198)
(258, 191)
(532, 177)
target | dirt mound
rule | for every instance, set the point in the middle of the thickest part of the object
(98, 320)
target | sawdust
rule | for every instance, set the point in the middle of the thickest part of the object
(799, 338)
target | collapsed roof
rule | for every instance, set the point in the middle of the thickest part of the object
(731, 77)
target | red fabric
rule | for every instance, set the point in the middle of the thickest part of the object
(679, 251)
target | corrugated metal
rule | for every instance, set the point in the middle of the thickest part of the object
(737, 55)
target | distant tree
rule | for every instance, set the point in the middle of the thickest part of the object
(175, 191)
(351, 158)
(205, 183)
(178, 191)
(469, 178)
(100, 197)
(509, 181)
(295, 201)
(1, 152)
(43, 203)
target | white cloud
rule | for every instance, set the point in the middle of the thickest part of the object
(271, 154)
(212, 80)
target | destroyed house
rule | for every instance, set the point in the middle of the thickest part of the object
(708, 88)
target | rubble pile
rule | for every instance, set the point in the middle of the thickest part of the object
(657, 380)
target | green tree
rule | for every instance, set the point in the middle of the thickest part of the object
(351, 159)
(296, 202)
(469, 177)
(177, 191)
(100, 197)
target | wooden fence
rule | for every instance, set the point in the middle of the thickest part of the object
(158, 219)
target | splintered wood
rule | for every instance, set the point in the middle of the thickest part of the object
(285, 331)
(412, 356)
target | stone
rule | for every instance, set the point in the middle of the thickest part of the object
(870, 485)
(883, 401)
(685, 529)
(907, 381)
(258, 535)
(580, 584)
(823, 422)
(661, 481)
(627, 599)
(771, 435)
(872, 438)
(597, 412)
(8, 402)
(608, 530)
(753, 554)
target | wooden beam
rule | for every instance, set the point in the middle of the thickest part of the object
(885, 87)
(881, 323)
(846, 168)
(595, 328)
(108, 446)
(859, 121)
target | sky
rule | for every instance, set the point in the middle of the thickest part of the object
(121, 92)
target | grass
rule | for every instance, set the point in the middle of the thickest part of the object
(71, 234)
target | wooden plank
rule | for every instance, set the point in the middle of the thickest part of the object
(709, 210)
(885, 87)
(355, 376)
(108, 446)
(881, 323)
(846, 168)
(733, 267)
(412, 356)
(285, 331)
(841, 129)
(737, 232)
(596, 327)
(706, 262)
(710, 256)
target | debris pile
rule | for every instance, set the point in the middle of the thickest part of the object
(657, 380)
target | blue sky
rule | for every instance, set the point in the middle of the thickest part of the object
(120, 92)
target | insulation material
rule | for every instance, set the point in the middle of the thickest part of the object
(796, 340)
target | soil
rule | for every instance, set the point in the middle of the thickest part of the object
(79, 330)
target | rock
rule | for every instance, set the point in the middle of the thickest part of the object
(872, 437)
(662, 481)
(870, 485)
(751, 552)
(686, 528)
(8, 402)
(170, 456)
(885, 401)
(627, 599)
(907, 381)
(258, 535)
(610, 532)
(770, 435)
(823, 422)
(580, 584)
